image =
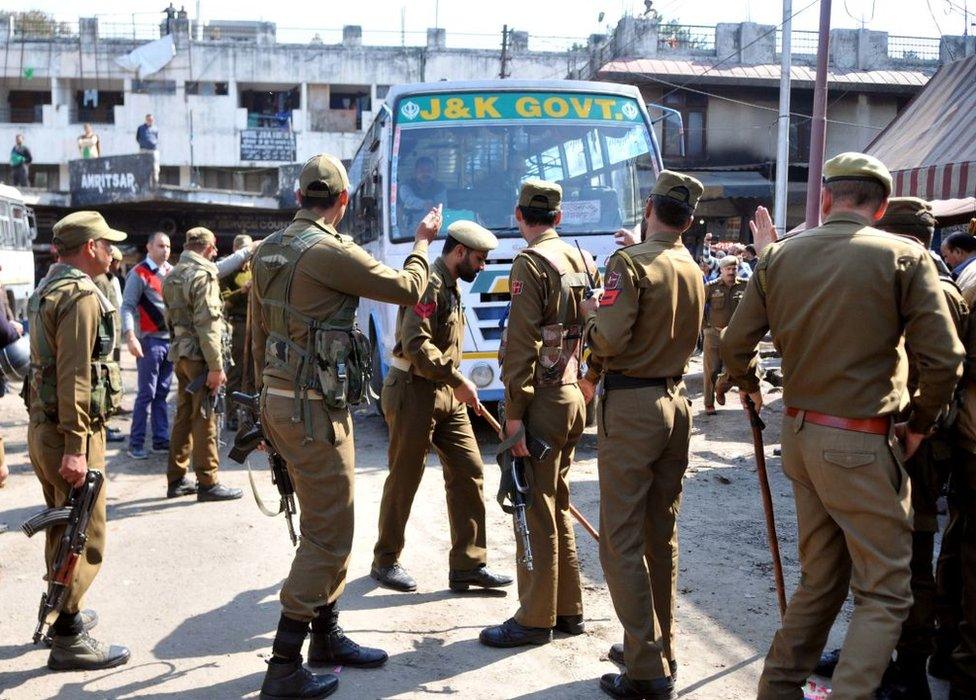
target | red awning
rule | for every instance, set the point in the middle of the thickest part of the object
(930, 148)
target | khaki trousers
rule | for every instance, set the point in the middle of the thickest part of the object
(854, 521)
(642, 456)
(192, 431)
(322, 472)
(711, 362)
(236, 371)
(419, 414)
(557, 416)
(46, 447)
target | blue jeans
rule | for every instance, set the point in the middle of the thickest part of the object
(155, 373)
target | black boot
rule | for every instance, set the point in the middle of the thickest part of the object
(616, 654)
(330, 645)
(618, 685)
(183, 487)
(511, 634)
(569, 624)
(289, 679)
(394, 577)
(905, 679)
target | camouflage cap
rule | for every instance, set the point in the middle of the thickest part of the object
(327, 173)
(857, 166)
(242, 241)
(81, 226)
(680, 187)
(199, 234)
(728, 261)
(472, 235)
(116, 253)
(540, 194)
(907, 215)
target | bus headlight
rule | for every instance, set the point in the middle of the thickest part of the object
(482, 375)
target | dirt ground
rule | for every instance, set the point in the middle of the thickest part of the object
(192, 588)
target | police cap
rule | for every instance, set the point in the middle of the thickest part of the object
(323, 176)
(540, 194)
(857, 166)
(81, 226)
(679, 187)
(728, 261)
(472, 236)
(909, 215)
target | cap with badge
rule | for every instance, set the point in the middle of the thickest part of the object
(857, 166)
(540, 194)
(472, 235)
(81, 226)
(728, 261)
(199, 234)
(678, 186)
(323, 176)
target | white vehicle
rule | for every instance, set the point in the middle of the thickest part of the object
(17, 234)
(469, 146)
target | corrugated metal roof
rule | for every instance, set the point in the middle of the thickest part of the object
(764, 72)
(938, 127)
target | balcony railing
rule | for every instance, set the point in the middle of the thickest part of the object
(913, 48)
(686, 38)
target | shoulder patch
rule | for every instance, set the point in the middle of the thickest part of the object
(516, 287)
(612, 281)
(425, 310)
(609, 297)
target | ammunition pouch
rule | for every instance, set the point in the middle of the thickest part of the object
(343, 363)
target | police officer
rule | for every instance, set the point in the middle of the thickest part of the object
(108, 285)
(425, 399)
(74, 387)
(197, 330)
(838, 299)
(540, 370)
(310, 360)
(722, 296)
(640, 338)
(234, 289)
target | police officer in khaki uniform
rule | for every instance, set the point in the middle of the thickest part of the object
(838, 299)
(197, 329)
(234, 290)
(108, 285)
(722, 296)
(640, 339)
(425, 399)
(311, 360)
(540, 370)
(74, 387)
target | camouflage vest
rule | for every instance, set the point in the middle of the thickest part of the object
(335, 360)
(41, 391)
(562, 342)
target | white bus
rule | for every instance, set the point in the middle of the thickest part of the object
(469, 146)
(17, 234)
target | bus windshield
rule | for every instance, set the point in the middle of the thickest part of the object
(597, 147)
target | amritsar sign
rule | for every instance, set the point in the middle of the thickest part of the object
(112, 179)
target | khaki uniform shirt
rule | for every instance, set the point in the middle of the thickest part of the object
(535, 289)
(203, 338)
(838, 299)
(647, 324)
(721, 301)
(327, 274)
(69, 316)
(430, 333)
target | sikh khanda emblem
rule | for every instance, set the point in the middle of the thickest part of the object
(410, 110)
(629, 109)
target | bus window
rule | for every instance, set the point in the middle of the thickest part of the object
(21, 228)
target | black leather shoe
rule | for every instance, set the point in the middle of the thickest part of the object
(616, 654)
(183, 487)
(395, 577)
(618, 685)
(482, 576)
(218, 492)
(569, 624)
(332, 646)
(289, 679)
(905, 679)
(511, 634)
(828, 662)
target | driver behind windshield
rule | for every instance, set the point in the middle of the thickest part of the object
(422, 192)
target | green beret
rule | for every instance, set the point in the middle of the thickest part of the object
(857, 166)
(81, 226)
(199, 234)
(328, 172)
(680, 187)
(540, 194)
(473, 236)
(907, 215)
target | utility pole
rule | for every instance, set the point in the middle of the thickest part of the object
(818, 126)
(503, 73)
(781, 199)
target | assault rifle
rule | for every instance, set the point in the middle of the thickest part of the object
(214, 403)
(247, 439)
(75, 516)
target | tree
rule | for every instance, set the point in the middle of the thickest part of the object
(37, 23)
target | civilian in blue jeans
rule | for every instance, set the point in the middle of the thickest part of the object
(148, 341)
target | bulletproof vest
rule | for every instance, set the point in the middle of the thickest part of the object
(335, 359)
(562, 342)
(41, 389)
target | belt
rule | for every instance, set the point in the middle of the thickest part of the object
(879, 425)
(290, 393)
(614, 380)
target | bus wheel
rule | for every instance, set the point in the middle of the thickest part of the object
(376, 380)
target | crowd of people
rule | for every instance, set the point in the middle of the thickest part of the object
(879, 415)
